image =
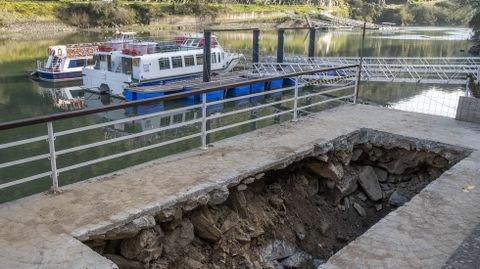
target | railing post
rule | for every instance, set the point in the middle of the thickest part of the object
(53, 156)
(357, 82)
(295, 101)
(256, 46)
(280, 45)
(204, 121)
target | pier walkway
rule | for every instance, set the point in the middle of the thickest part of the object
(45, 231)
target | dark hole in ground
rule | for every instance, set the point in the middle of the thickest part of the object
(295, 217)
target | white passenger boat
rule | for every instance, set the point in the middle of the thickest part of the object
(65, 62)
(144, 63)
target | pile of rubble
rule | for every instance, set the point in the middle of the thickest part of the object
(294, 217)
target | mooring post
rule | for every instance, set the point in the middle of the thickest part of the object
(295, 101)
(256, 46)
(360, 63)
(53, 156)
(281, 33)
(311, 44)
(207, 59)
(204, 121)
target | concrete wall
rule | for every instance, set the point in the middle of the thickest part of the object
(468, 109)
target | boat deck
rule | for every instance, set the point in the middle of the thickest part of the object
(197, 83)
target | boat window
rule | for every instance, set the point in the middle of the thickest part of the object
(102, 57)
(127, 65)
(214, 58)
(177, 62)
(223, 55)
(76, 63)
(188, 60)
(195, 43)
(164, 63)
(136, 61)
(199, 59)
(219, 60)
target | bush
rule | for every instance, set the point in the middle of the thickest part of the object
(97, 14)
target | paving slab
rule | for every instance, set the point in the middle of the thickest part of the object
(44, 231)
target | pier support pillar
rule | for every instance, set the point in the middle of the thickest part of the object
(311, 43)
(207, 58)
(256, 46)
(281, 40)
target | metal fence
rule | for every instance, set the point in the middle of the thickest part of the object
(297, 96)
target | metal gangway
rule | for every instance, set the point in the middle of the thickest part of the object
(429, 70)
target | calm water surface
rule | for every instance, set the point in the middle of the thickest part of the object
(22, 98)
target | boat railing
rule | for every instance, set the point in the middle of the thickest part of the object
(283, 97)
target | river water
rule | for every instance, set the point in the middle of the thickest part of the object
(22, 98)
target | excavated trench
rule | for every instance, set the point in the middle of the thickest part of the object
(296, 216)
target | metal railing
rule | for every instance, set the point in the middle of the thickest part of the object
(430, 70)
(295, 104)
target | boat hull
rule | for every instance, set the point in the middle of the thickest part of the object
(59, 76)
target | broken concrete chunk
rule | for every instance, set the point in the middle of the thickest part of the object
(298, 260)
(378, 207)
(360, 209)
(396, 199)
(218, 196)
(204, 225)
(133, 248)
(259, 176)
(369, 182)
(276, 250)
(241, 187)
(248, 180)
(179, 238)
(331, 170)
(131, 229)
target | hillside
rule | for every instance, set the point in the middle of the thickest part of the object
(109, 14)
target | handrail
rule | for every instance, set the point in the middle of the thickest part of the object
(71, 114)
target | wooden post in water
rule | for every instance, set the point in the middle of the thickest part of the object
(280, 42)
(207, 59)
(311, 44)
(360, 63)
(256, 46)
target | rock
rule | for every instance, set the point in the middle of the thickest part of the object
(218, 196)
(276, 250)
(323, 158)
(346, 202)
(259, 176)
(362, 196)
(242, 237)
(330, 184)
(343, 187)
(324, 227)
(188, 262)
(356, 154)
(143, 247)
(360, 210)
(381, 174)
(168, 214)
(378, 207)
(299, 231)
(396, 199)
(241, 187)
(331, 170)
(238, 203)
(277, 203)
(131, 229)
(179, 238)
(369, 182)
(249, 180)
(204, 225)
(298, 260)
(317, 263)
(230, 221)
(123, 263)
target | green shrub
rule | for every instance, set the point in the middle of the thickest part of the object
(97, 14)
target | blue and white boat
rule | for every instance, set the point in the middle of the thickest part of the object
(65, 62)
(146, 63)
